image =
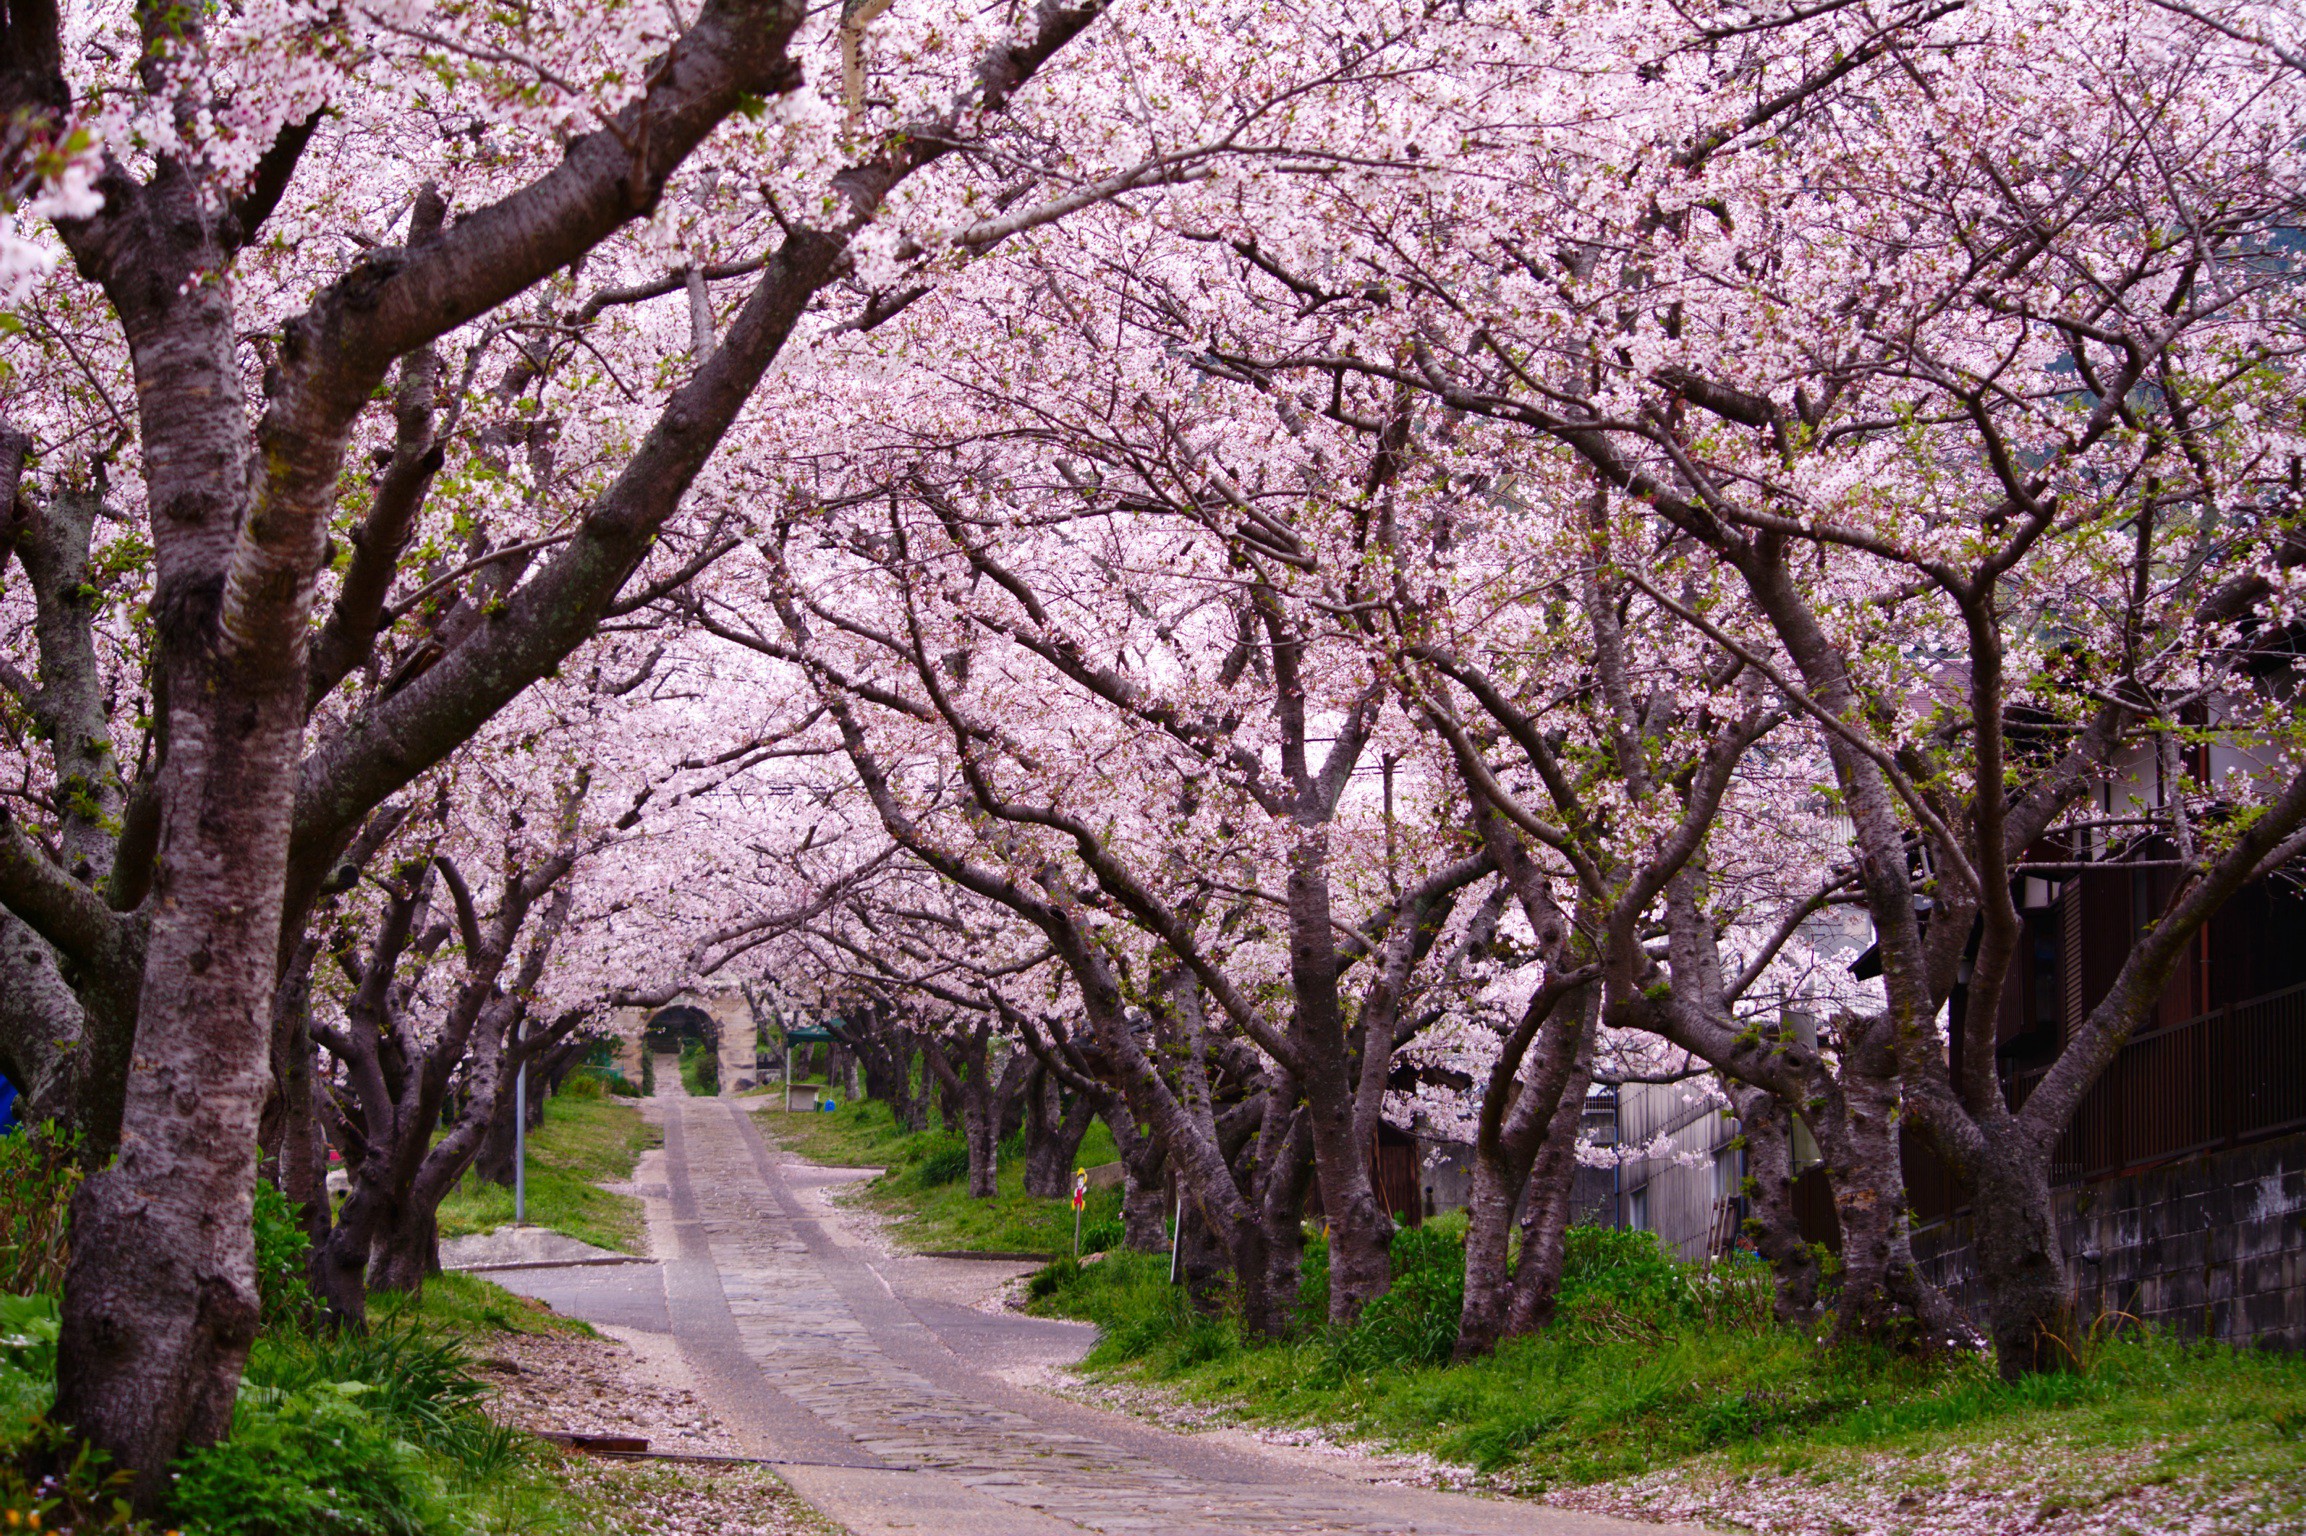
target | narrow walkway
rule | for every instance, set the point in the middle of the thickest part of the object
(881, 1403)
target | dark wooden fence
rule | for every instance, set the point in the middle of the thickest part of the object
(2222, 1079)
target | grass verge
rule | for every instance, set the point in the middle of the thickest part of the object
(1665, 1392)
(926, 1186)
(586, 1138)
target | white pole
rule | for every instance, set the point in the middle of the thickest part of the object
(519, 1138)
(1176, 1232)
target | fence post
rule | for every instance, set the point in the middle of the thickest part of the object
(2234, 1118)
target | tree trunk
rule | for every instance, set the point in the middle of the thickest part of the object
(1145, 1199)
(2021, 1265)
(1545, 1204)
(965, 1075)
(160, 1300)
(495, 1160)
(1517, 1119)
(1360, 1229)
(406, 1252)
(1285, 1170)
(303, 1147)
(1203, 1264)
(1049, 1156)
(1020, 1075)
(337, 1268)
(1883, 1296)
(1771, 1223)
(886, 1052)
(981, 1127)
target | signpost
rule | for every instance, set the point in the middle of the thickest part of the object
(1080, 1199)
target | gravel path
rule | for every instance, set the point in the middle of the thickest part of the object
(891, 1401)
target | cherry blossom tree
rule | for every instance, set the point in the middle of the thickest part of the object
(1994, 465)
(478, 164)
(1122, 497)
(397, 1073)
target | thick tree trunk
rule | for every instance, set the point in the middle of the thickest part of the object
(1204, 1262)
(1285, 1172)
(53, 1049)
(1145, 1199)
(303, 1147)
(1771, 1222)
(1360, 1229)
(964, 1072)
(337, 1268)
(1489, 1211)
(1517, 1119)
(1883, 1294)
(2021, 1265)
(495, 1159)
(886, 1051)
(407, 1250)
(981, 1126)
(1545, 1206)
(1049, 1155)
(160, 1300)
(1019, 1074)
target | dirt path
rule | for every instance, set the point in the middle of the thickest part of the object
(891, 1404)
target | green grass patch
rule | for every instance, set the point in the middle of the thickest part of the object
(1653, 1364)
(584, 1140)
(926, 1186)
(700, 1069)
(335, 1433)
(457, 1305)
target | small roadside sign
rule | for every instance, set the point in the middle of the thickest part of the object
(1080, 1199)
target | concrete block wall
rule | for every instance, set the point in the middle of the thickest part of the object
(2213, 1246)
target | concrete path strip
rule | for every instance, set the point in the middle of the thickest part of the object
(879, 1397)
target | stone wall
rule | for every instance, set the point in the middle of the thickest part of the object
(2214, 1245)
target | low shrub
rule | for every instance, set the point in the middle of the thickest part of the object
(1055, 1277)
(1620, 1283)
(1100, 1236)
(283, 1297)
(701, 1069)
(420, 1383)
(39, 1170)
(946, 1165)
(648, 1073)
(600, 1067)
(28, 1333)
(51, 1481)
(1415, 1321)
(317, 1462)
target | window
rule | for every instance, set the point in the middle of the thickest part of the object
(1638, 1216)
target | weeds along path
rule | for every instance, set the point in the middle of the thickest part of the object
(882, 1402)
